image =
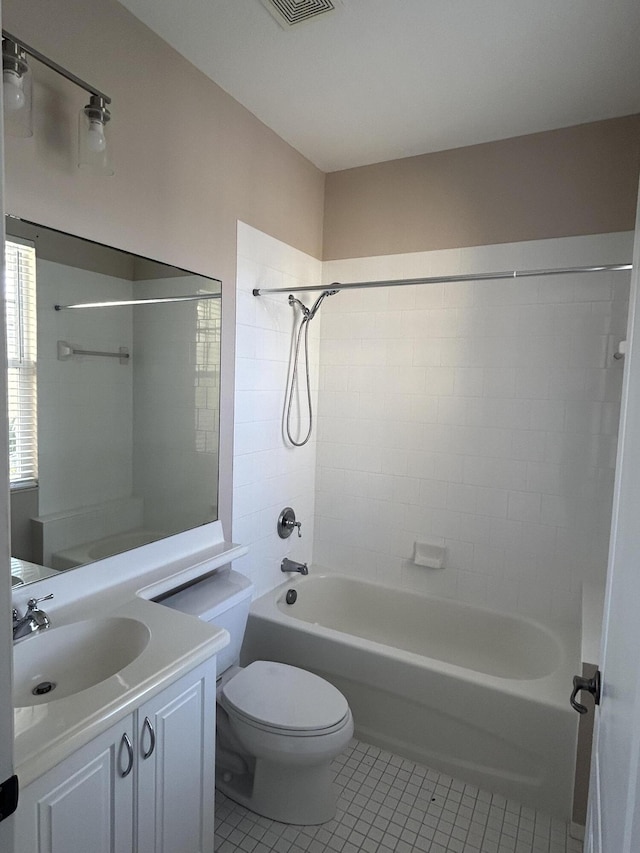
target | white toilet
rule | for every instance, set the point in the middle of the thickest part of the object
(278, 726)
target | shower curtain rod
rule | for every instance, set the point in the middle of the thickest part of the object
(442, 279)
(156, 300)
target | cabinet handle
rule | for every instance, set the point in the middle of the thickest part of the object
(129, 747)
(152, 738)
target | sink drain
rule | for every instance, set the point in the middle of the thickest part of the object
(43, 687)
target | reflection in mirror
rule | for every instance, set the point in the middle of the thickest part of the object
(113, 410)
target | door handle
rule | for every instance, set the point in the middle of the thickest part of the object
(591, 685)
(126, 743)
(152, 738)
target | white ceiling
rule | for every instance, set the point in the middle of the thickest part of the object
(382, 79)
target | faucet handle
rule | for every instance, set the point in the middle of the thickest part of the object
(34, 602)
(32, 620)
(287, 522)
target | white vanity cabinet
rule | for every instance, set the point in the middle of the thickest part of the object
(144, 786)
(176, 766)
(85, 802)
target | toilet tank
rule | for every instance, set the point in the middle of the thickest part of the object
(224, 599)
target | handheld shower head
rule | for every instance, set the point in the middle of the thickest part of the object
(310, 313)
(303, 307)
(303, 331)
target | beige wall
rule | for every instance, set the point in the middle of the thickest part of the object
(190, 161)
(578, 180)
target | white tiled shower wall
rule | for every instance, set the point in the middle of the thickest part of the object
(267, 474)
(479, 416)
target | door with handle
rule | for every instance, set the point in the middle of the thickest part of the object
(176, 740)
(8, 783)
(613, 821)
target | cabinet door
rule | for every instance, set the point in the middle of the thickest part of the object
(176, 773)
(85, 802)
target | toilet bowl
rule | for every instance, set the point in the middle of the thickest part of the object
(278, 726)
(286, 725)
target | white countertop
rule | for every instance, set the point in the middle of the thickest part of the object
(45, 734)
(121, 586)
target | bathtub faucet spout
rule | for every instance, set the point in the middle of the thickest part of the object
(288, 565)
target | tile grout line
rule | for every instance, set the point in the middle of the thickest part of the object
(392, 805)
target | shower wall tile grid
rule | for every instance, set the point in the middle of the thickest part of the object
(479, 416)
(390, 805)
(268, 475)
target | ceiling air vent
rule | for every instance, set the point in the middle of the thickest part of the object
(290, 12)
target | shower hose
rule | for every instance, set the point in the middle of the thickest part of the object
(307, 316)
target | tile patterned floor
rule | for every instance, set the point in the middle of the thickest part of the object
(389, 804)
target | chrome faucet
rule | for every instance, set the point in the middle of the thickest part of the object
(288, 565)
(33, 619)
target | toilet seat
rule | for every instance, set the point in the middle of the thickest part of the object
(290, 733)
(275, 697)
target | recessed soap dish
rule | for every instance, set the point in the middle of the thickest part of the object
(429, 555)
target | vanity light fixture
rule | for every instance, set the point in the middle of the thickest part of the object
(94, 153)
(16, 89)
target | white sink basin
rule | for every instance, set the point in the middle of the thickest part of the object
(74, 657)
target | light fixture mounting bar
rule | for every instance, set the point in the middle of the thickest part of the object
(55, 67)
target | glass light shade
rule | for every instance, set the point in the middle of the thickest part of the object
(16, 89)
(94, 151)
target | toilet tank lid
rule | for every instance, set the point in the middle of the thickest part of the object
(211, 597)
(284, 697)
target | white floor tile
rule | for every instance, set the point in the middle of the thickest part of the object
(390, 805)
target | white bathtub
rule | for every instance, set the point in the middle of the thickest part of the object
(472, 693)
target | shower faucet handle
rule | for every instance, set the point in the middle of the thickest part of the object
(287, 522)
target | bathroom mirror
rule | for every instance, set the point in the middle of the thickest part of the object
(113, 407)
